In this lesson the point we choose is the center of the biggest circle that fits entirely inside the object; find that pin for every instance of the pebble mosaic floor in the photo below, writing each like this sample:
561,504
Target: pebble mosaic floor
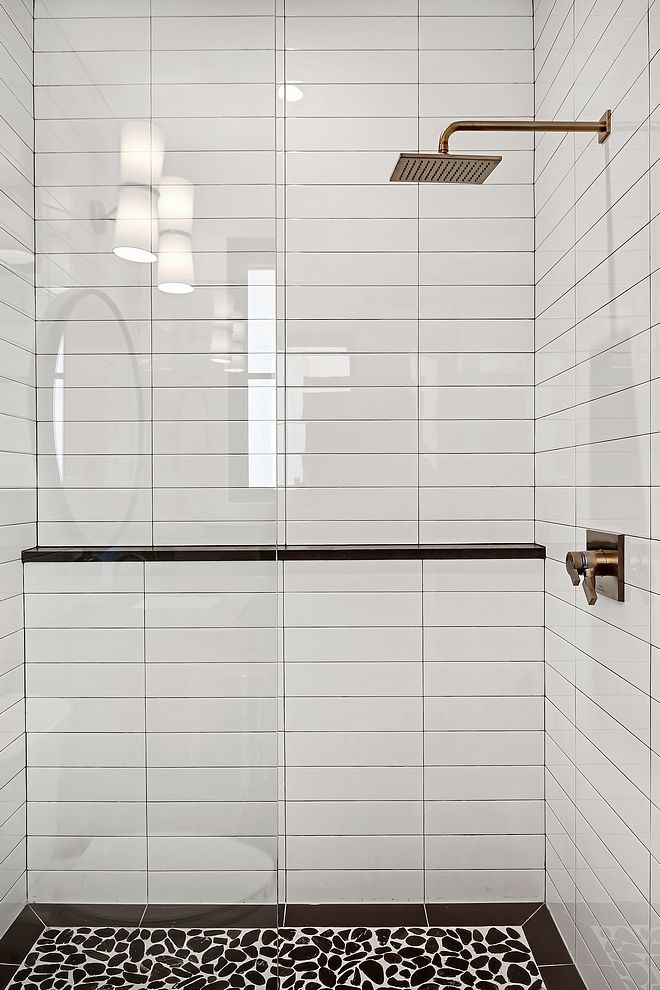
288,958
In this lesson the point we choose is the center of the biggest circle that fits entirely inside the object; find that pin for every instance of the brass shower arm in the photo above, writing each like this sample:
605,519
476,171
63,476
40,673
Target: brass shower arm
601,127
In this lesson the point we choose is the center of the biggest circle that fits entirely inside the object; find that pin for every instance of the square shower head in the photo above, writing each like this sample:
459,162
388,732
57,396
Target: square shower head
414,166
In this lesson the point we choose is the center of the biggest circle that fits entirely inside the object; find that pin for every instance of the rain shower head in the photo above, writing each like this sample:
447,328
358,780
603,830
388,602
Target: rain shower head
414,166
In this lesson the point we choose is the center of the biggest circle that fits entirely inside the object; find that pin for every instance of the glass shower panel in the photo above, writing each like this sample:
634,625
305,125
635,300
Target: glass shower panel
155,152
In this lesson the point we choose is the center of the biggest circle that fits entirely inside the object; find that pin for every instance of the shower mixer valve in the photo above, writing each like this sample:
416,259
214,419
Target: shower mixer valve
585,562
600,566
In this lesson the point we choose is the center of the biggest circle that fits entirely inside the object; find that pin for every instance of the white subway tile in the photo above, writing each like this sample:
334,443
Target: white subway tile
86,886
213,887
356,885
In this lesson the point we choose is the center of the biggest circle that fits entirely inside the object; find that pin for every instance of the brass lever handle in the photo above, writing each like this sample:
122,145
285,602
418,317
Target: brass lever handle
589,563
574,565
589,586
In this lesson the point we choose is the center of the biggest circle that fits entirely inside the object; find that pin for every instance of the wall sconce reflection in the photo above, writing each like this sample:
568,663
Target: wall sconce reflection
141,167
175,215
237,365
221,343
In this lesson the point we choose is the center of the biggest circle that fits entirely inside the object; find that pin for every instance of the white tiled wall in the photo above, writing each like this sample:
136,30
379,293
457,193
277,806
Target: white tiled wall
152,744
404,314
411,743
483,740
413,737
596,466
17,446
408,310
153,441
211,667
406,379
354,774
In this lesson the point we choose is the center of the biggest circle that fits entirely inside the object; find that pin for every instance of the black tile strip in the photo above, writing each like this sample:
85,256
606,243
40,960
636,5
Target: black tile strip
561,978
141,554
546,943
19,938
210,916
413,551
353,915
479,915
88,915
7,974
437,551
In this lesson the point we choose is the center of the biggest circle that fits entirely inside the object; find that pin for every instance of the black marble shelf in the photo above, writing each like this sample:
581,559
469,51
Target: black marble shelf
364,551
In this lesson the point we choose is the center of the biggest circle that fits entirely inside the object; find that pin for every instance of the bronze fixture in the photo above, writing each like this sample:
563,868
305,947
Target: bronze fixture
601,566
417,166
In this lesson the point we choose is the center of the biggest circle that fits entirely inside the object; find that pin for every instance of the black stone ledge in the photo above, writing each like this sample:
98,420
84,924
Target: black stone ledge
86,554
437,551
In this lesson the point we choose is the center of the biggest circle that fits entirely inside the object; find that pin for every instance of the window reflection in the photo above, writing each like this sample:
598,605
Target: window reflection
58,409
261,340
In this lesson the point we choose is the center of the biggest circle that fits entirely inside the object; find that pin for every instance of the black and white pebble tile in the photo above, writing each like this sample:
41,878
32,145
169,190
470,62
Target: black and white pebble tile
481,958
290,959
191,958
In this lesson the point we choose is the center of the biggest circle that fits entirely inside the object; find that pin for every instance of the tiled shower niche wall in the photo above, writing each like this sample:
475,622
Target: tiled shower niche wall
404,315
410,750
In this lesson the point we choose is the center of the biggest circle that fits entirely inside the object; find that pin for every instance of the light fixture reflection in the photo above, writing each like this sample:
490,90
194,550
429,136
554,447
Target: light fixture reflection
175,214
221,343
58,409
141,166
237,363
290,92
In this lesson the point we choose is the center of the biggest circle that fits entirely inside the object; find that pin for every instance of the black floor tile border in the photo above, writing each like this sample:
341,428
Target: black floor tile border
87,915
547,944
478,915
354,915
411,551
210,916
7,973
548,948
19,938
561,978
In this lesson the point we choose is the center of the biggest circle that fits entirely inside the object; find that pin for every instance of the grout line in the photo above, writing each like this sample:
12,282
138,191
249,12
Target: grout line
32,908
419,490
535,440
34,367
650,885
283,461
533,914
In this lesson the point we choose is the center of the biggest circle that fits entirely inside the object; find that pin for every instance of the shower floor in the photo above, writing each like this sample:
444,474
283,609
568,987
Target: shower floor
317,956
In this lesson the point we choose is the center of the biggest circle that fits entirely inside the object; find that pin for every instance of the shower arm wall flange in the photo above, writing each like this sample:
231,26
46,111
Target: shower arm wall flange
602,127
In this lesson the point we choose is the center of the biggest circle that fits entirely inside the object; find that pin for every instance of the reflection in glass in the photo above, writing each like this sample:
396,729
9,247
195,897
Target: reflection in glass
290,92
175,214
58,410
221,343
141,167
261,301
